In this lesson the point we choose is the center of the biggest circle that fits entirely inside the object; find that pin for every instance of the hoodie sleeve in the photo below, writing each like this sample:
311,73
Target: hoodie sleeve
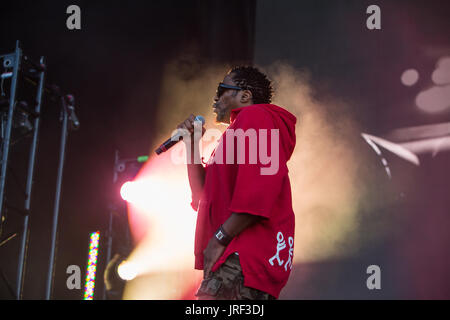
258,185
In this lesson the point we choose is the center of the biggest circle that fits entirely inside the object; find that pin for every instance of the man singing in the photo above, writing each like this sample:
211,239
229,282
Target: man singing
244,238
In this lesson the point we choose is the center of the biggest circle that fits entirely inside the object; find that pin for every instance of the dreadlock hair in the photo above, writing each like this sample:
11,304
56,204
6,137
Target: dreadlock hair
250,78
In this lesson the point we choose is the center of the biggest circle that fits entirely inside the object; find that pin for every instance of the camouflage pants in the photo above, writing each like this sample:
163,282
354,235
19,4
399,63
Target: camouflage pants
227,283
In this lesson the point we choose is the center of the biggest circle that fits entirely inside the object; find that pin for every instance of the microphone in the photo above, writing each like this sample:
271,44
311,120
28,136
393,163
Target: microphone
169,143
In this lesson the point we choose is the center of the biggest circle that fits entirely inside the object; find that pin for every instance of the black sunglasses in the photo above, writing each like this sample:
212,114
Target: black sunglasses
224,87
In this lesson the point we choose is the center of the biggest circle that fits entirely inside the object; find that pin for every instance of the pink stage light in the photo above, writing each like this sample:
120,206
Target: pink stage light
435,99
410,77
441,75
126,190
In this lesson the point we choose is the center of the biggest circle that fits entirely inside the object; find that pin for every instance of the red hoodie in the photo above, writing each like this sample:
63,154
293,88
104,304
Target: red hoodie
258,187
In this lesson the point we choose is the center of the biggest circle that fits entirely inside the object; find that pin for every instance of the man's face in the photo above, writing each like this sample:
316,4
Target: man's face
228,101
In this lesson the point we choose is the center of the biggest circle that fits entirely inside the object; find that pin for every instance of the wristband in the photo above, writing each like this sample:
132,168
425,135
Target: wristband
222,236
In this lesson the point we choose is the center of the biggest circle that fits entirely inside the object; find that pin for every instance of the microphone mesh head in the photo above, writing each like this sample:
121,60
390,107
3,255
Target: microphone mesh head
200,118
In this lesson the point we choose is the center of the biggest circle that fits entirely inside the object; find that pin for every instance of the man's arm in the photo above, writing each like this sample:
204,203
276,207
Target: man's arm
238,222
196,175
196,171
233,226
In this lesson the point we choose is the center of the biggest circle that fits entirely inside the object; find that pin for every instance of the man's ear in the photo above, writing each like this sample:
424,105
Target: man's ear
247,96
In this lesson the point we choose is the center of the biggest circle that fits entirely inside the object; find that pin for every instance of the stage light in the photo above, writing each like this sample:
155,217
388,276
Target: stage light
441,75
135,191
117,273
124,175
127,270
435,99
410,77
141,159
138,191
92,266
126,190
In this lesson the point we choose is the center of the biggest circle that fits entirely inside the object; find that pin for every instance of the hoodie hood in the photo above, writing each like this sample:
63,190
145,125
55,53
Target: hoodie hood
283,120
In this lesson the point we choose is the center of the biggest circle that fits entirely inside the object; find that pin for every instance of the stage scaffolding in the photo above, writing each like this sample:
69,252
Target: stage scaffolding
24,119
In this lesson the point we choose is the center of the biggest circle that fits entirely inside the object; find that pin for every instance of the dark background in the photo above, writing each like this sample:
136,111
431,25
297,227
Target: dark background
106,66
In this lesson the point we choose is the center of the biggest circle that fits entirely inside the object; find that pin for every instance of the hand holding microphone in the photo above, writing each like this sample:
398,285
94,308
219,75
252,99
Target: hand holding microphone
191,125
